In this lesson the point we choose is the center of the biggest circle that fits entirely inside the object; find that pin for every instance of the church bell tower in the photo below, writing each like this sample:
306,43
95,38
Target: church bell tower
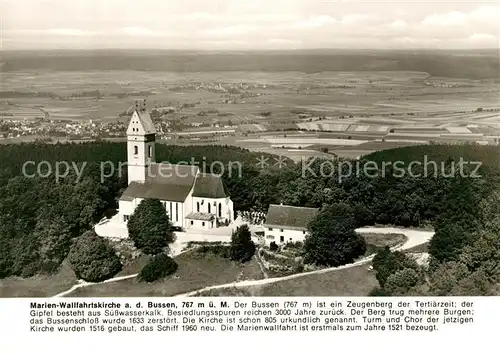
141,135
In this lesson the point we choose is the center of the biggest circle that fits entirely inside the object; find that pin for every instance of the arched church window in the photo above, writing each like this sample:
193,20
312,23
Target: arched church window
198,207
209,208
220,210
136,150
150,151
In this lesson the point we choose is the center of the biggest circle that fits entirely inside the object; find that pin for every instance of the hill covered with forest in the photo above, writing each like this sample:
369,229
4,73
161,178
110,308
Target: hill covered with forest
451,188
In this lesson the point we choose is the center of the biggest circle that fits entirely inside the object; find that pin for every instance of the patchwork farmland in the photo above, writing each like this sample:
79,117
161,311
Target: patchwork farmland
346,113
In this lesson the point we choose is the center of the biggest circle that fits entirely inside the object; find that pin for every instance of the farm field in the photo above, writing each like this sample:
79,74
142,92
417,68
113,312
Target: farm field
333,93
264,111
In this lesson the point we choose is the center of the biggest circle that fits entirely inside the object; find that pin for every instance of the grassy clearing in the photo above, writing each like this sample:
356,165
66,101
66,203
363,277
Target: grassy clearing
38,286
134,266
355,281
196,270
233,291
423,248
383,240
374,242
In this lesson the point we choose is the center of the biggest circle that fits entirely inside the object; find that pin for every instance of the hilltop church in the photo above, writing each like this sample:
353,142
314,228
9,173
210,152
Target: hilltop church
192,199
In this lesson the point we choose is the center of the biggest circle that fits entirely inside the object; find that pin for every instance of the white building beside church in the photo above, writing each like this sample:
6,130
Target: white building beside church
192,199
285,223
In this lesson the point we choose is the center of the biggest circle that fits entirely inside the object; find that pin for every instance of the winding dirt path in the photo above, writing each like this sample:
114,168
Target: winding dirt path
83,284
415,238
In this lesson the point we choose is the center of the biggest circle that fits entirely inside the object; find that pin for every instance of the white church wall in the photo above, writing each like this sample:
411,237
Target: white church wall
126,208
211,206
188,206
174,212
200,225
136,159
176,217
230,209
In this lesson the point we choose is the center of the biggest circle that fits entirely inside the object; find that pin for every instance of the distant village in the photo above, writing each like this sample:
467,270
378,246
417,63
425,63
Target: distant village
89,129
45,127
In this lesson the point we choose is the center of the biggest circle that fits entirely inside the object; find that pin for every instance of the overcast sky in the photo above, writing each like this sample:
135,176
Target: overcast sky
249,24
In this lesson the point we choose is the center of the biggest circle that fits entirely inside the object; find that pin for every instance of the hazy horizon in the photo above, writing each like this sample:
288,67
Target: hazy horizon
252,51
237,25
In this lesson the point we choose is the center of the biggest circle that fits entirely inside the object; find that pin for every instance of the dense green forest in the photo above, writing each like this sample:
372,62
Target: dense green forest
39,216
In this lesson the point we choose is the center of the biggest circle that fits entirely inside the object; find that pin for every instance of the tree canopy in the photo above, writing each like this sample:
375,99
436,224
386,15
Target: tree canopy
159,266
93,259
149,227
332,240
39,216
242,247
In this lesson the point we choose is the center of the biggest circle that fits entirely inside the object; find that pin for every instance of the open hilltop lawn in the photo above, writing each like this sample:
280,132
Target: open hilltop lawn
355,281
195,271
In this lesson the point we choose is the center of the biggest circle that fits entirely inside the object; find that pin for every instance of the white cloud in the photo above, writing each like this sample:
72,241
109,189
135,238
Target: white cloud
398,24
282,41
485,15
229,31
268,17
314,22
199,16
488,14
355,19
52,32
137,31
483,37
254,24
454,18
69,32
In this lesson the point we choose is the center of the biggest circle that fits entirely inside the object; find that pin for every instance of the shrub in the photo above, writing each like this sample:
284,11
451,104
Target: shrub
93,259
159,266
217,250
297,245
242,248
386,263
401,281
299,268
273,246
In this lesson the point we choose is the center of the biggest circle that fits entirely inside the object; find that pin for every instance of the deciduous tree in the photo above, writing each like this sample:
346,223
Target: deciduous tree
158,267
332,240
242,247
149,227
93,259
